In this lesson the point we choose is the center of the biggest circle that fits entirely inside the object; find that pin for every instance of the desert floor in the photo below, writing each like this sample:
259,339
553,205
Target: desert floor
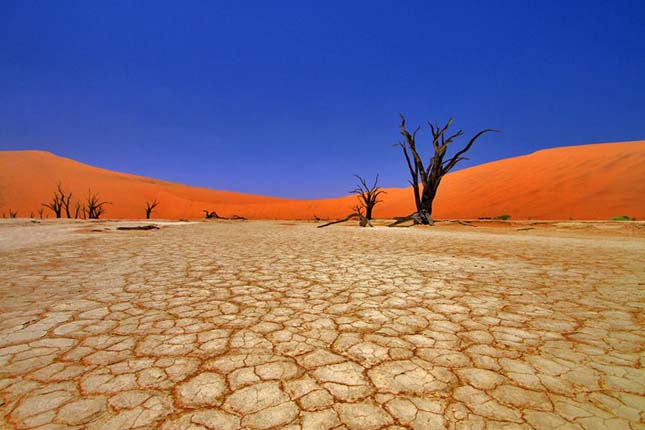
229,325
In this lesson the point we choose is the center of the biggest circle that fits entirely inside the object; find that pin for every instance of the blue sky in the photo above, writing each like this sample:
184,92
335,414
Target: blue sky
292,98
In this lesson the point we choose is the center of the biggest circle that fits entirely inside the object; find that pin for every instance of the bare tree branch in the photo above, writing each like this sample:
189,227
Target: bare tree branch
347,218
457,157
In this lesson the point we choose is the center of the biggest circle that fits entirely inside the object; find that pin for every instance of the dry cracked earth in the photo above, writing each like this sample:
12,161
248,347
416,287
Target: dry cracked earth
269,325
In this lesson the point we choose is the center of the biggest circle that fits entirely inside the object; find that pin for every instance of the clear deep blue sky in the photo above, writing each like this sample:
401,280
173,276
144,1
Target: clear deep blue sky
292,98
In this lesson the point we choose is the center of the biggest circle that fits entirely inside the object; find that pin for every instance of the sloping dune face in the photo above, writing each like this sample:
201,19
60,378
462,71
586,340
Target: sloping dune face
580,182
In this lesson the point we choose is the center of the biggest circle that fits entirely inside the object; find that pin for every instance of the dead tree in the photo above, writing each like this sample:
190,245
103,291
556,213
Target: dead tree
13,214
95,207
363,220
211,215
347,218
427,177
150,206
78,210
367,195
358,213
60,201
56,205
40,212
65,200
367,198
139,227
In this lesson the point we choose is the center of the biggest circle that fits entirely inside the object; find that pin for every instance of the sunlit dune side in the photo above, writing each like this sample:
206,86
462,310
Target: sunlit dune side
581,182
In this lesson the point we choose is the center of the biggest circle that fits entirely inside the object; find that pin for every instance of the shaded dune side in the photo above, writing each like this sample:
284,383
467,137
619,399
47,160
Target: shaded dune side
580,182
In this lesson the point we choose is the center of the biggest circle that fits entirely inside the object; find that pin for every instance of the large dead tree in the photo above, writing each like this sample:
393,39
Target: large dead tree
94,206
150,207
367,195
427,177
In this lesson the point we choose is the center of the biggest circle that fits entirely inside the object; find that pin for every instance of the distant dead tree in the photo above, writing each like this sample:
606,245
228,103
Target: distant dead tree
367,195
429,176
13,214
214,215
78,210
95,207
150,207
60,201
40,212
211,215
65,200
56,205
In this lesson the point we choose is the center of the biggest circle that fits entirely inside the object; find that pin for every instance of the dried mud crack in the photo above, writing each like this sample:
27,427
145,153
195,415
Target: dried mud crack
260,325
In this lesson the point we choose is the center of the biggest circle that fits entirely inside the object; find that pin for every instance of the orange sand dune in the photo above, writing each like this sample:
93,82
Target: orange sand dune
580,182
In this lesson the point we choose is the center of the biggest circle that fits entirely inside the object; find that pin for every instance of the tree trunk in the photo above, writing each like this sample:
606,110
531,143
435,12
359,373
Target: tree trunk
417,199
427,198
368,212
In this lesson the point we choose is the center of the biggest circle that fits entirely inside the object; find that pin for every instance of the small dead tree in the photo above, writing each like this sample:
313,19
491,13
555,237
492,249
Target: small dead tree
367,198
214,215
427,177
150,207
60,201
65,200
56,205
95,207
13,214
211,215
363,221
367,195
78,210
40,212
358,213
